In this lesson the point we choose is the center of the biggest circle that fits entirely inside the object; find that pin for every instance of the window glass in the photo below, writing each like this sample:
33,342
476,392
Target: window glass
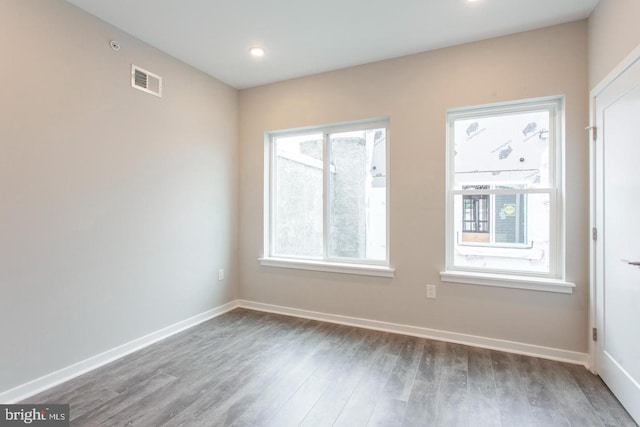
357,194
518,238
511,148
297,226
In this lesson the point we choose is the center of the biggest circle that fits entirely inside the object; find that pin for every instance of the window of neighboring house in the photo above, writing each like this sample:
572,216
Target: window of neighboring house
475,219
504,198
327,197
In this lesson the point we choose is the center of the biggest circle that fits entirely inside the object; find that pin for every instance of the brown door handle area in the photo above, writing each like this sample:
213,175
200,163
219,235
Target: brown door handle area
634,263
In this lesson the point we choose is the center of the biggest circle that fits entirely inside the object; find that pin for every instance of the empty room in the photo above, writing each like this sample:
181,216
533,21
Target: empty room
297,213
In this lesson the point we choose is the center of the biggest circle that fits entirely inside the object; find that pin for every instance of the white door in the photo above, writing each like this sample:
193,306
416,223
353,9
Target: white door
617,218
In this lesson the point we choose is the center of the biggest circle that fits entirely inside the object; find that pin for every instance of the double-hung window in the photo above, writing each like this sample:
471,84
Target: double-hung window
326,198
504,195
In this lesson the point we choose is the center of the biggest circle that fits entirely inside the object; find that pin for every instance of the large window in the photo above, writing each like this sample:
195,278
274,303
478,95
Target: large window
504,191
327,194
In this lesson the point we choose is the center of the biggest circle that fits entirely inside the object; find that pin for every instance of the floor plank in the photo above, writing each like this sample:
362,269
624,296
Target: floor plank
481,390
511,391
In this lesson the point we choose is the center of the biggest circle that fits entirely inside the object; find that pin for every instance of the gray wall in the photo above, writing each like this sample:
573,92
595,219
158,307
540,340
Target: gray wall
415,92
613,33
116,207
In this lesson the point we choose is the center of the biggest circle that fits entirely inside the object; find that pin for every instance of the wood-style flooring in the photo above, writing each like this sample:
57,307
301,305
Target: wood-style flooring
247,368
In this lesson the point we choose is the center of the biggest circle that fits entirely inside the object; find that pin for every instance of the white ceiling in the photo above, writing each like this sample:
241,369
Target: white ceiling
303,37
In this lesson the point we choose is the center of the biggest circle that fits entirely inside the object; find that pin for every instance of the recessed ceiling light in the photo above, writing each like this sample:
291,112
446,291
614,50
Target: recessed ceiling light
256,51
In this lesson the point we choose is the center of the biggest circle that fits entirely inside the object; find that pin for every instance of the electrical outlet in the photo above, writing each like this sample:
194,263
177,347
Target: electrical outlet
431,291
221,274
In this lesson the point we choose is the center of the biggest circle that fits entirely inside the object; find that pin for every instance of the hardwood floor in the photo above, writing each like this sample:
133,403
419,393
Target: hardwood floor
247,368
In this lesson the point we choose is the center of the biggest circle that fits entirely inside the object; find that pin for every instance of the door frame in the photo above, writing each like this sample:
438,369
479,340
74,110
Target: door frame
594,220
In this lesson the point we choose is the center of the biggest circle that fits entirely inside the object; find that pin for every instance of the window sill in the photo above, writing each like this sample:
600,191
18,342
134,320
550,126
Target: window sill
507,281
331,267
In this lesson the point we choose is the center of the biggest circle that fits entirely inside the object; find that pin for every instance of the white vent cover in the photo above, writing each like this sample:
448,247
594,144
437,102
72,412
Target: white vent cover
146,81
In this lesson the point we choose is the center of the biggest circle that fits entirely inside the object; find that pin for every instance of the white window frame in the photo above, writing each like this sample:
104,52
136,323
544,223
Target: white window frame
554,280
379,268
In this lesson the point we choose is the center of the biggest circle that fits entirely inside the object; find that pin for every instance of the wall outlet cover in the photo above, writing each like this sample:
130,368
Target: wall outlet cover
431,291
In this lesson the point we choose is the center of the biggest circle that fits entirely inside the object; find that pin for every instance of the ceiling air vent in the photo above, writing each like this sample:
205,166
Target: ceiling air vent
146,81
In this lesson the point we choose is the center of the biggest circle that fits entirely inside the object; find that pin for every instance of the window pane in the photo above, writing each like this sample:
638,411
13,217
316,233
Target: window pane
358,195
509,149
517,237
298,218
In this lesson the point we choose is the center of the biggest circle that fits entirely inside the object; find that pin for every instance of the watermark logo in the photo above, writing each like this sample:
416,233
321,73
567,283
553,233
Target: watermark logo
34,415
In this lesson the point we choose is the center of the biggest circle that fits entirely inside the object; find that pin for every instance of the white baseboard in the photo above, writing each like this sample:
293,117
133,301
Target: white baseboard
43,383
453,337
